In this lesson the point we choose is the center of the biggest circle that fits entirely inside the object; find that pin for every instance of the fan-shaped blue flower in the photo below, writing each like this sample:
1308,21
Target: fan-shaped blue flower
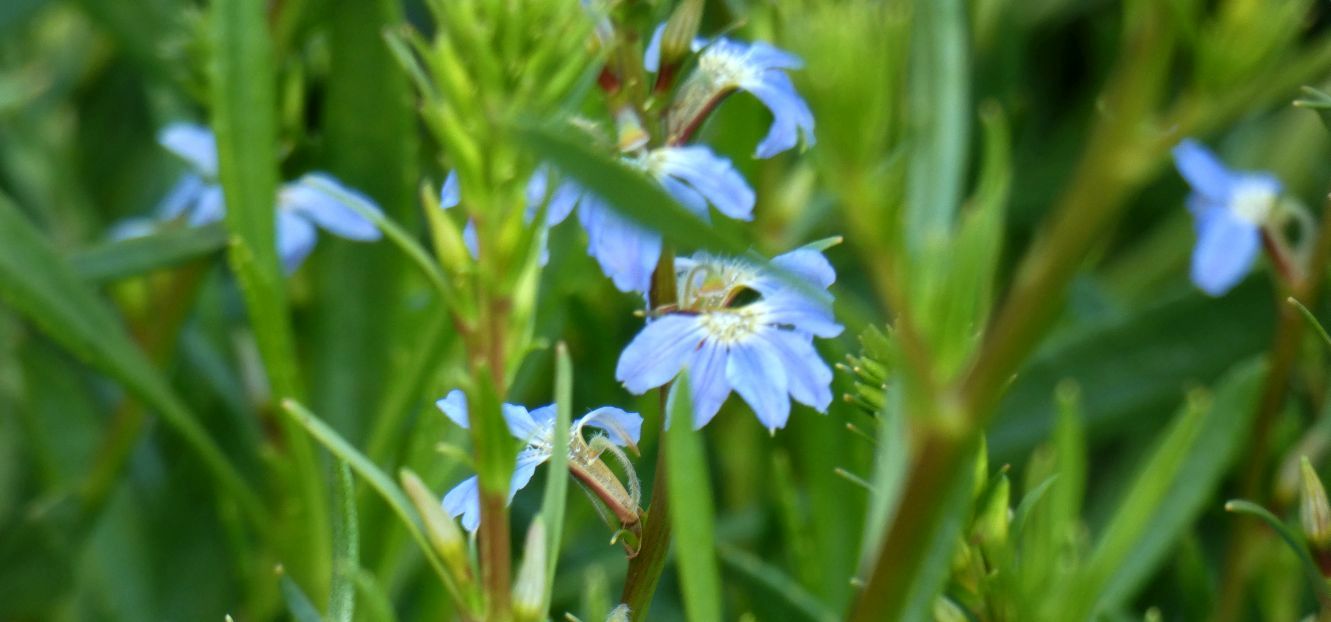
536,429
1230,209
762,350
316,199
627,252
725,65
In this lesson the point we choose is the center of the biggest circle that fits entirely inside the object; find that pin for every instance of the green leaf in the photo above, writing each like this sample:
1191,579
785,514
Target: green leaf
692,522
629,192
556,484
939,109
1171,489
891,461
244,101
1296,544
35,282
346,548
298,604
777,583
1317,101
381,483
117,260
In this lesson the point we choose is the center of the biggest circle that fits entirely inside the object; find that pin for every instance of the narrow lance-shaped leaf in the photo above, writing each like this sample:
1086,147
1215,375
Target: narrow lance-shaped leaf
135,256
693,522
556,485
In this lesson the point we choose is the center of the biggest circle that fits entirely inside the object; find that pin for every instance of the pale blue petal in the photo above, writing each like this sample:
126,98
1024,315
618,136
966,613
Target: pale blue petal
790,115
1226,248
469,239
184,194
1203,171
544,416
767,56
808,264
707,376
810,379
562,201
454,406
626,252
528,460
192,143
210,207
623,428
656,354
133,228
687,196
450,195
651,59
793,309
331,211
465,500
714,177
520,423
295,239
756,372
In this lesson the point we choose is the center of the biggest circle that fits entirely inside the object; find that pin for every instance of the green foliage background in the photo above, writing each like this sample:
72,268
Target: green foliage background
148,472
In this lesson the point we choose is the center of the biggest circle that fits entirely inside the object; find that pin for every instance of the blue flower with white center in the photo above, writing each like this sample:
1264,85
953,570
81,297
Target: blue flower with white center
536,429
1230,209
316,199
762,350
627,252
725,66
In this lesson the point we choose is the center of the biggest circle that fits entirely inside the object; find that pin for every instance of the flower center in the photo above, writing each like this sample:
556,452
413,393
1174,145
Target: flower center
1252,203
728,326
724,67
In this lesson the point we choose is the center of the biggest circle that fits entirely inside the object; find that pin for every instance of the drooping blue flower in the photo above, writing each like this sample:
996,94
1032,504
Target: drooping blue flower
1230,208
762,350
627,252
536,429
316,199
759,68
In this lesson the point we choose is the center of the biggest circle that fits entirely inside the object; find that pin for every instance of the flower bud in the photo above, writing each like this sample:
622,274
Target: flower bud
529,588
448,241
680,31
443,532
1314,512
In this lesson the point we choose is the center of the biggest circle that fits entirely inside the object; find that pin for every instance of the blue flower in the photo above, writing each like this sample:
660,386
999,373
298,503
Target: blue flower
536,429
1230,208
627,252
450,196
759,69
317,199
762,350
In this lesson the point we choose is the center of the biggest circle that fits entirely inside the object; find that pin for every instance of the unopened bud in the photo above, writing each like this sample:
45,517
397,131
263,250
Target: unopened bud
444,534
1314,512
680,31
629,128
947,611
529,588
991,524
619,614
448,241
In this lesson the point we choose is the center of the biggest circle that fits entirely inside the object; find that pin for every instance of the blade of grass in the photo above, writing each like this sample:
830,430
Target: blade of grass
778,583
1309,567
692,522
35,282
346,548
556,485
298,604
117,260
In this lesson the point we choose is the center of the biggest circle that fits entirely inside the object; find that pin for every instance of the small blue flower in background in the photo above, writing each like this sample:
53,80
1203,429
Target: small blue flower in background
757,68
316,199
628,253
762,350
535,428
1230,208
450,196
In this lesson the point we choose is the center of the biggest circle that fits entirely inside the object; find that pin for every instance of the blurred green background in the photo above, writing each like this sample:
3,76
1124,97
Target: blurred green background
106,514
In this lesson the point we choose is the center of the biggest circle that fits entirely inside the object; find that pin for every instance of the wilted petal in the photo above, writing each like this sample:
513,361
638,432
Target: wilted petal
656,354
757,374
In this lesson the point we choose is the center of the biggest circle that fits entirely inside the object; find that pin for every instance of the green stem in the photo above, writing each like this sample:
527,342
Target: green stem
645,569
